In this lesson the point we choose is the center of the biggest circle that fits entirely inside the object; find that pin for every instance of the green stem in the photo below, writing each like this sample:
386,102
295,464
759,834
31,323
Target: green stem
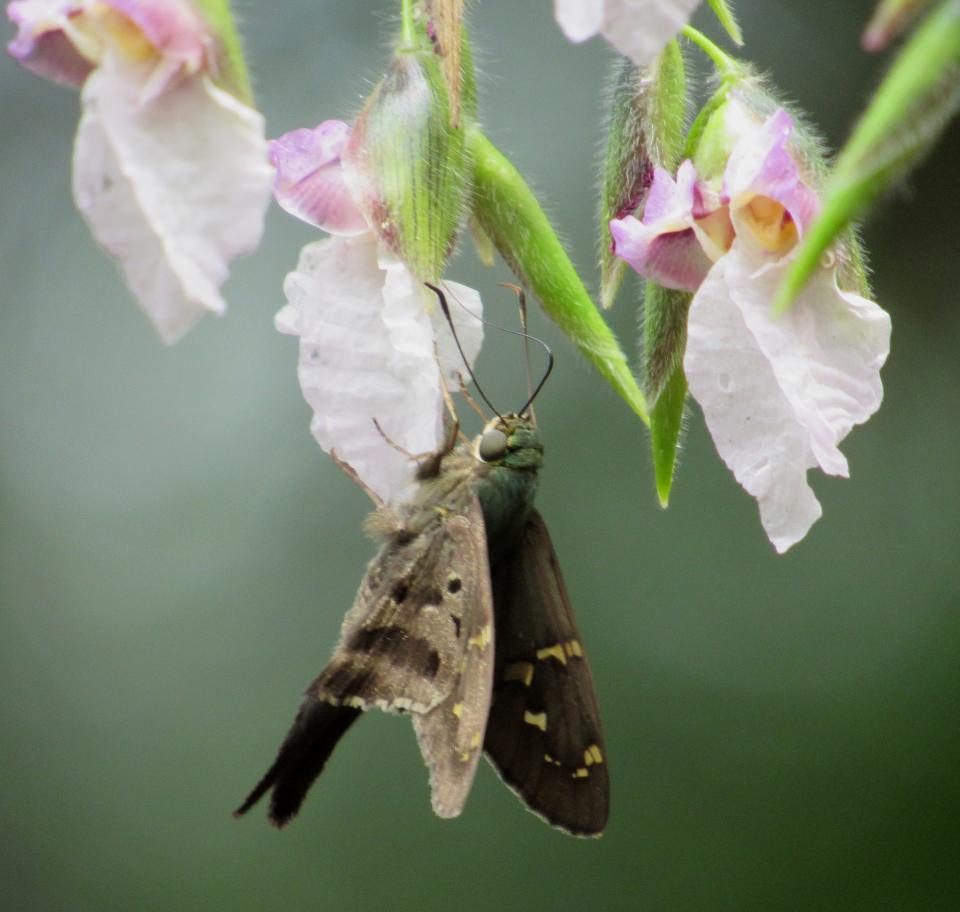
510,215
724,63
407,26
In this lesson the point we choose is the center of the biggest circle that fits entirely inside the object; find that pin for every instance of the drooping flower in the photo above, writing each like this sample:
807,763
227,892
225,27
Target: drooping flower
170,167
778,394
637,28
374,348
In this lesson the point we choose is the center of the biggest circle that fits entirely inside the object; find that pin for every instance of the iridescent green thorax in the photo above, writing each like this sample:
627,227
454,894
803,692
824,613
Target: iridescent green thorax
506,484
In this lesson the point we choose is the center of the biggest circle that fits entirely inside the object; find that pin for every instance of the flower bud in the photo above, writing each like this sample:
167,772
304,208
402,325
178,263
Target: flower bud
406,163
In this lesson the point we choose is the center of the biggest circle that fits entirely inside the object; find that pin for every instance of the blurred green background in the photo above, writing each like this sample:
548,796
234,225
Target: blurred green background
176,555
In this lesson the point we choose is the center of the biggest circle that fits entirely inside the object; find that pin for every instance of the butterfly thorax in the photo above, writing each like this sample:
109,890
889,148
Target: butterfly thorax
505,479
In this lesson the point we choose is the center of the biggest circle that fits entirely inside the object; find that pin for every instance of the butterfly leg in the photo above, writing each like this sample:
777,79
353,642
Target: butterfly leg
356,479
470,400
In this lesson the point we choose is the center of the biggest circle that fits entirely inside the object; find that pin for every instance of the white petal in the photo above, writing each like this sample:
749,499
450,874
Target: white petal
174,188
637,28
779,393
366,351
579,19
466,312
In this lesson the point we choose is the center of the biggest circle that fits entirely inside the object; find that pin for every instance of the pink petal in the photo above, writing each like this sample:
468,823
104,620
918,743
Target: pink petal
762,164
173,27
42,43
309,181
673,259
665,246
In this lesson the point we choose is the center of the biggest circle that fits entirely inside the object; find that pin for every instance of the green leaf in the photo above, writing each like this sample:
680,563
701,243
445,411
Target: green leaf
664,341
512,218
666,422
233,75
909,111
647,112
724,12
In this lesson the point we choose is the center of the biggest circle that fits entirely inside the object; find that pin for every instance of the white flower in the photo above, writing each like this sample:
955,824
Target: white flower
169,170
638,29
778,393
373,341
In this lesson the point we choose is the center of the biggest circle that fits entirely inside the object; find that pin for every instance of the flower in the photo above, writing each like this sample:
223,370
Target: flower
778,393
170,170
371,338
637,28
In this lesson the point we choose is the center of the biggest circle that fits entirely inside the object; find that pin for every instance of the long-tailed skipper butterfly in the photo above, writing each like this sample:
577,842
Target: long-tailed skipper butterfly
463,621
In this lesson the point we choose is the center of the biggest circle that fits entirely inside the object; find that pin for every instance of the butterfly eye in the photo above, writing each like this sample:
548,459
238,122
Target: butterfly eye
493,445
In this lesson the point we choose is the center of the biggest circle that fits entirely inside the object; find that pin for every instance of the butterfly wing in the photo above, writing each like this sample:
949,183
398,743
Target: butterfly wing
418,639
543,735
451,734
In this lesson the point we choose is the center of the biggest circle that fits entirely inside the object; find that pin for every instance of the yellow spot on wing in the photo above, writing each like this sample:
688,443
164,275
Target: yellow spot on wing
458,709
593,751
573,648
555,651
537,719
580,773
519,671
481,639
475,740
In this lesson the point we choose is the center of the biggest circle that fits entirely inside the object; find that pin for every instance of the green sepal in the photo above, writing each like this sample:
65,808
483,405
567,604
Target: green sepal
441,23
510,215
408,164
648,108
909,111
666,423
664,342
724,13
231,74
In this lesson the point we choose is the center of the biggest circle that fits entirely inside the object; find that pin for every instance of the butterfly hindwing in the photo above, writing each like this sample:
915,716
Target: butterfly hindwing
544,735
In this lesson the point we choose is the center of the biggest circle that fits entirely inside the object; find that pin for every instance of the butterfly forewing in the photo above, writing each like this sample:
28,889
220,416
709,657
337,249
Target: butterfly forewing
403,642
451,734
544,735
418,639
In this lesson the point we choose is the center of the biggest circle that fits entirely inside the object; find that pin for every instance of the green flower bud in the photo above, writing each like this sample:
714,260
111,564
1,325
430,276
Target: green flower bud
406,162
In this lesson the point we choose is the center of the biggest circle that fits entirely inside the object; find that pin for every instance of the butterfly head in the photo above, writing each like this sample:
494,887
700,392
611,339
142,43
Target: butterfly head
512,441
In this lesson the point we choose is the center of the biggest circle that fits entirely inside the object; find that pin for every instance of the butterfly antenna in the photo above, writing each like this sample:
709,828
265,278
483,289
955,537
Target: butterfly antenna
522,304
441,297
527,339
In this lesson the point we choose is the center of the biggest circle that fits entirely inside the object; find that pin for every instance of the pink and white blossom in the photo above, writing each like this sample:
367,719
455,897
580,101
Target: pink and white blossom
778,393
374,347
639,29
170,171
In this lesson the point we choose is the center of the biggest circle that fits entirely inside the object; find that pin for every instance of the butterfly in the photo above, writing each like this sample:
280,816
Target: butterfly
463,622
